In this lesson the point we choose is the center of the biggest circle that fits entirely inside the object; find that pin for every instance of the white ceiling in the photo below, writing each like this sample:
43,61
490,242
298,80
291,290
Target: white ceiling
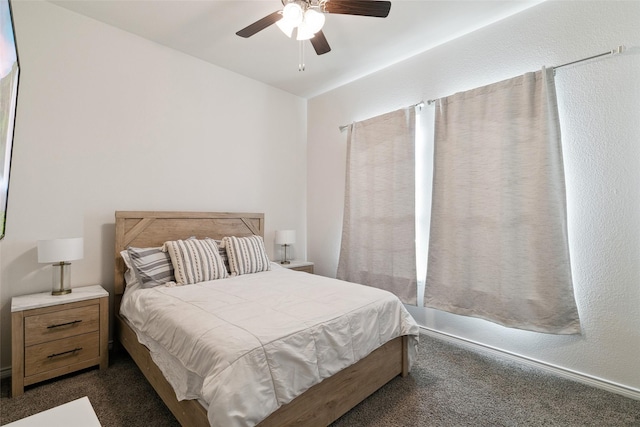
360,45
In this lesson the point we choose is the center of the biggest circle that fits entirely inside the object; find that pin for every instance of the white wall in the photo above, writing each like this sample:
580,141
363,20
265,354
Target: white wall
599,106
109,121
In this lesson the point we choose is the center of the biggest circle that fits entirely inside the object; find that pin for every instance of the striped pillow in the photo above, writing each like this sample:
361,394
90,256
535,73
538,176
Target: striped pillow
246,254
130,278
151,266
195,260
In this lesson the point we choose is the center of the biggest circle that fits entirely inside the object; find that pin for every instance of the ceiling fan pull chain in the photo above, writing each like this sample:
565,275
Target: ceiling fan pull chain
301,65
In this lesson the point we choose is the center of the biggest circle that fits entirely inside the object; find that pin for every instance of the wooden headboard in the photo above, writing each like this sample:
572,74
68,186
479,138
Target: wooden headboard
144,229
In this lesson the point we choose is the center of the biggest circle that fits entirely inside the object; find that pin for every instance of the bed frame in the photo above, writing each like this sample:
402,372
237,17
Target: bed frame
321,404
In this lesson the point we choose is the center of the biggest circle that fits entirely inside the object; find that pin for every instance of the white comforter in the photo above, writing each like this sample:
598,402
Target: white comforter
249,344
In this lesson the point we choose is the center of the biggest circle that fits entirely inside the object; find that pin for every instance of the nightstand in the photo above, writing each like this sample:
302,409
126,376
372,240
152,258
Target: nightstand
305,266
55,335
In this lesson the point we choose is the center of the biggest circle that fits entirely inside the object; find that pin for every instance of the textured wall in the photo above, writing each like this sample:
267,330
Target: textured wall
599,105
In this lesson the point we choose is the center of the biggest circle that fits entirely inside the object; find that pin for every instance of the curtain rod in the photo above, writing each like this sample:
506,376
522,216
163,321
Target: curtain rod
418,105
619,49
615,51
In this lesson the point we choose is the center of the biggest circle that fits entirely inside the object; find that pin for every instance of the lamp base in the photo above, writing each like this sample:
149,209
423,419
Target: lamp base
284,261
61,279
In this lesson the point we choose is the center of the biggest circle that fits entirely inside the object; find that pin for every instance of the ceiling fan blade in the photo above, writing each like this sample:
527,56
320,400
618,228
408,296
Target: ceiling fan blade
375,8
260,24
320,44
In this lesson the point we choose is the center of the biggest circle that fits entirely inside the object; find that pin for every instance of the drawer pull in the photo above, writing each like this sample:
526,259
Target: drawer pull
51,356
64,324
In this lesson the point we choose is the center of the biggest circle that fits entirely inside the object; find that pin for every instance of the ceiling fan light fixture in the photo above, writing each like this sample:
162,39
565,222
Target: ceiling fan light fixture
314,20
292,14
286,28
304,33
307,17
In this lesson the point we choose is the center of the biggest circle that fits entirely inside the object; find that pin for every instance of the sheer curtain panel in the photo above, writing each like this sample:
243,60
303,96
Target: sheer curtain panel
498,245
378,233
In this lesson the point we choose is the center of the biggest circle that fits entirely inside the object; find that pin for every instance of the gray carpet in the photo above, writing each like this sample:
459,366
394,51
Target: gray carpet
448,386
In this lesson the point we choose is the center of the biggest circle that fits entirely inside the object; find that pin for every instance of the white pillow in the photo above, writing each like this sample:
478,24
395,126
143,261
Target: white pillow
195,260
246,255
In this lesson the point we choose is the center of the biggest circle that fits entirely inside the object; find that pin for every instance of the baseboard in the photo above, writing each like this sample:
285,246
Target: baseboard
557,370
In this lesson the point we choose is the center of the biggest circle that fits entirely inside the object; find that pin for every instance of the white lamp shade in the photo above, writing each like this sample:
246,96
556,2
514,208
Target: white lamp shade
286,28
59,250
303,32
292,14
314,20
285,237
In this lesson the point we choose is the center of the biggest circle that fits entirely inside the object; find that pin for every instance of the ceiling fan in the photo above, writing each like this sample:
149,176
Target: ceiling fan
307,18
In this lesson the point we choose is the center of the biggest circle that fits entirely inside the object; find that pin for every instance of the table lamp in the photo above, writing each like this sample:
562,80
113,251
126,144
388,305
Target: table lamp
285,238
60,252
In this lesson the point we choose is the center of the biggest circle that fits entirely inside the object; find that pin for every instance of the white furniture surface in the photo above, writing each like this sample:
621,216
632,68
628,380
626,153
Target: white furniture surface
77,413
45,299
298,265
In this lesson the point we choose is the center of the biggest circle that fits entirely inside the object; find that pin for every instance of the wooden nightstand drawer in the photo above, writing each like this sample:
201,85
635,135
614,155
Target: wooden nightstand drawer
57,354
61,324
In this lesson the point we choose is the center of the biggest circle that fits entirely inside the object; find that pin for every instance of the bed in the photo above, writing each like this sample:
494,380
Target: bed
319,404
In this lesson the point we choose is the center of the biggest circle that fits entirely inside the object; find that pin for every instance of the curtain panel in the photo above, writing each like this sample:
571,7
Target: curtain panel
498,245
378,233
